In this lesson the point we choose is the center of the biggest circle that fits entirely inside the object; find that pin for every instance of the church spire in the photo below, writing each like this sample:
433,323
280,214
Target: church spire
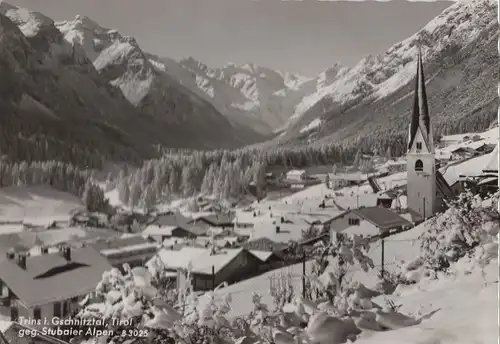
420,116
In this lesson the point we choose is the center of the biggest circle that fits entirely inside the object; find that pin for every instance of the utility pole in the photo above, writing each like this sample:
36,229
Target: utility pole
213,277
423,200
303,275
383,256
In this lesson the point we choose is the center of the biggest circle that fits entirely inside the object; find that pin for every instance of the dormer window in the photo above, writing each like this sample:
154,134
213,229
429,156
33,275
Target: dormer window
419,165
419,145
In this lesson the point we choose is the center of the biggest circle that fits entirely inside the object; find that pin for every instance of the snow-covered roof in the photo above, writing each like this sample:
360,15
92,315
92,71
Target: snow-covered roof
296,172
487,180
130,248
493,164
201,259
157,230
262,255
470,167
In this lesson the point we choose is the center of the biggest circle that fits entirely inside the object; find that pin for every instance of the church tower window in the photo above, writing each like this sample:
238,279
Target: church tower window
419,145
419,165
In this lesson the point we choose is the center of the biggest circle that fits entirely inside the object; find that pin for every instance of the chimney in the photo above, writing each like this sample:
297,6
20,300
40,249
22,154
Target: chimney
67,253
11,254
277,229
21,260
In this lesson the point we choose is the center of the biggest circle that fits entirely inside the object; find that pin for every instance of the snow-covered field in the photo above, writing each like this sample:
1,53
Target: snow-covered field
466,312
37,205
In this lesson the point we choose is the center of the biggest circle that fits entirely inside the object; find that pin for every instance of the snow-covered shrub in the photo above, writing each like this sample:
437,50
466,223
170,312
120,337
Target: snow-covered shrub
333,264
140,296
467,224
393,279
281,289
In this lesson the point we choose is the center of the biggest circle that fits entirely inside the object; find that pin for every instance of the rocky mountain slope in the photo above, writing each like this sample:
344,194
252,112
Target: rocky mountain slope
120,60
254,99
375,96
249,95
108,99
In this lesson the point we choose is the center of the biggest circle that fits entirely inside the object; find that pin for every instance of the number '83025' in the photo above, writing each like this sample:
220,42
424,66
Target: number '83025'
135,333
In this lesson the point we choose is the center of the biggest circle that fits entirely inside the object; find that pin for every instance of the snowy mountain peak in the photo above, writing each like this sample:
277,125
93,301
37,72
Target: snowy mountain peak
377,76
29,22
87,23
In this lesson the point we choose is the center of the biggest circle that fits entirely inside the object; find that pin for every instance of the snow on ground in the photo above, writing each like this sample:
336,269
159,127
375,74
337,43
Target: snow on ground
242,292
393,69
452,142
466,312
201,260
297,216
490,136
472,167
313,125
349,197
36,205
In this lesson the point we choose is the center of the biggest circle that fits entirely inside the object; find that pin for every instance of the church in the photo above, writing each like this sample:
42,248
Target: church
427,189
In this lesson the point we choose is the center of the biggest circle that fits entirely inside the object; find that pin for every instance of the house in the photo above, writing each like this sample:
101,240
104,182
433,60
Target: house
296,175
50,285
368,222
211,267
134,250
463,153
238,224
386,198
487,186
308,244
266,245
268,260
485,148
341,180
213,220
159,233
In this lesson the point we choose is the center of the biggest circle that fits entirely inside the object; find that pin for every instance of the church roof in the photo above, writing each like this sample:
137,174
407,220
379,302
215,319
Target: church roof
420,116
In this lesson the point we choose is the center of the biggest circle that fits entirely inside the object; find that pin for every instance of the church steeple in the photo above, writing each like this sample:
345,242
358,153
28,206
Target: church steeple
420,116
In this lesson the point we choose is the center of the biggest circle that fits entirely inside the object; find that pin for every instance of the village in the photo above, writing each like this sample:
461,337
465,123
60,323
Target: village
52,263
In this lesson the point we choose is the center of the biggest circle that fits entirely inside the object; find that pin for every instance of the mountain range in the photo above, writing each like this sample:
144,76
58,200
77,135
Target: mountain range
375,96
76,72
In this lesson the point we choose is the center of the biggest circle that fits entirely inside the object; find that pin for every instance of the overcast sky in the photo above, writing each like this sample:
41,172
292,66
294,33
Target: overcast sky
296,36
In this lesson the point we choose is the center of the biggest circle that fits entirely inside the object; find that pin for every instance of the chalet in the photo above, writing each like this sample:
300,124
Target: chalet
386,198
159,233
213,220
268,260
171,219
134,250
308,244
369,221
208,267
296,175
50,285
341,180
266,245
463,153
485,148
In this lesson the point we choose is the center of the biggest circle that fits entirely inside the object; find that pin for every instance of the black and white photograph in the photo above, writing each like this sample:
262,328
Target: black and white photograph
249,172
